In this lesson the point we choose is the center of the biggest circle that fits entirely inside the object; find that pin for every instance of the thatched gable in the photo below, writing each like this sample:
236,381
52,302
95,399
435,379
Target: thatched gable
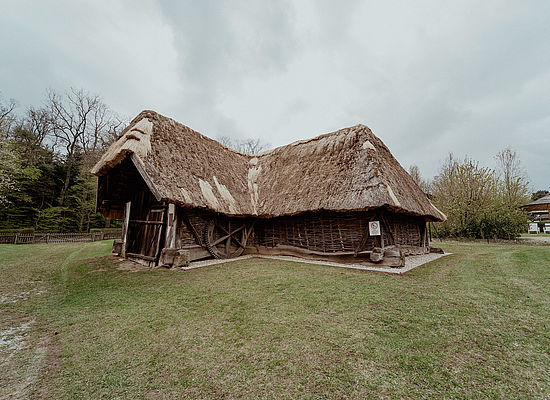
347,170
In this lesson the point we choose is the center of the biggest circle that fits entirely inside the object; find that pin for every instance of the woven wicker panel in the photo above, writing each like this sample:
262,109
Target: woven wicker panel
198,220
334,232
407,230
327,232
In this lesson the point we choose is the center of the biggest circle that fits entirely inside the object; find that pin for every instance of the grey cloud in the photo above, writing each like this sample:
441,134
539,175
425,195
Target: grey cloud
428,77
220,43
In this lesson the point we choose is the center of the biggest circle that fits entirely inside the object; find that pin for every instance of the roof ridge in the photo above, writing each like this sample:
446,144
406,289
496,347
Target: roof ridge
145,113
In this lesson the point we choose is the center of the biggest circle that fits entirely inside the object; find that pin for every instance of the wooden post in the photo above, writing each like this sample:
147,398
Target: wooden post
382,223
171,224
15,238
424,230
127,207
363,240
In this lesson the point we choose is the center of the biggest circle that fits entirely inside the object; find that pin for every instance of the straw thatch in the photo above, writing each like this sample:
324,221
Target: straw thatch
347,170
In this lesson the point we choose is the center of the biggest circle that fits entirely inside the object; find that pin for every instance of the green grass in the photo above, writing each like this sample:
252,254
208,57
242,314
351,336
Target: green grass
475,324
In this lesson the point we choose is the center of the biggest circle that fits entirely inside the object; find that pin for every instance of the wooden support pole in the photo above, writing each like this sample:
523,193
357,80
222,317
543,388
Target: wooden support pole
171,224
384,223
363,240
127,207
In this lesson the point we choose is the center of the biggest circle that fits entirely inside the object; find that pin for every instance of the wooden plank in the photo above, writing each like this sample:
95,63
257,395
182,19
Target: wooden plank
171,224
138,259
160,231
363,240
125,225
197,252
388,228
343,257
142,256
140,221
292,250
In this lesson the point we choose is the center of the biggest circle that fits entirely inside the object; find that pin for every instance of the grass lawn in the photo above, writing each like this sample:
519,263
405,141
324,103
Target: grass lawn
475,324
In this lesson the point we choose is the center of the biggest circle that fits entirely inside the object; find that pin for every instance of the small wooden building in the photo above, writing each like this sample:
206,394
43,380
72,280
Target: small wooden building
539,209
339,195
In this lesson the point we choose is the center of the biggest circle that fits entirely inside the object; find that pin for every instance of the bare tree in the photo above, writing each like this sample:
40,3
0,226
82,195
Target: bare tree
425,185
514,178
226,141
7,116
248,146
80,121
252,146
39,122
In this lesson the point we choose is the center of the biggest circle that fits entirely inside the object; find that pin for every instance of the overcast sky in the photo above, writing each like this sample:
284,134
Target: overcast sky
428,77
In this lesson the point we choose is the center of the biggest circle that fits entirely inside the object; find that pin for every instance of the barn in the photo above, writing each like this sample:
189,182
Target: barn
184,197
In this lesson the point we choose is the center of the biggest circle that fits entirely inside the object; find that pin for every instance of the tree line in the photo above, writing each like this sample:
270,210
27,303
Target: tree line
480,202
46,154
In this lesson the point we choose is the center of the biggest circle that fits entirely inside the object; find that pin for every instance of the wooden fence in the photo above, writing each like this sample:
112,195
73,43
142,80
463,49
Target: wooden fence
29,238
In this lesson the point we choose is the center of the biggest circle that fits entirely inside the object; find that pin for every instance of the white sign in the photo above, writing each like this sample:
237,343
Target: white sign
374,228
534,227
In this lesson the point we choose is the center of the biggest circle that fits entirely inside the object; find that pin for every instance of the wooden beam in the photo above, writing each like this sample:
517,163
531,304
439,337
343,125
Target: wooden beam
387,225
342,257
127,207
143,257
171,223
140,221
364,237
293,250
163,218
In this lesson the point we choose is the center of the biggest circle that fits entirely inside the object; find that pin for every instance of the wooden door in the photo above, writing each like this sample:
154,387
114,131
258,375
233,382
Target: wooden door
145,235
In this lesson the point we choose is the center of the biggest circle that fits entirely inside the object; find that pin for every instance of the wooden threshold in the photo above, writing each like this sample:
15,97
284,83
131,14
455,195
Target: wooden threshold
143,257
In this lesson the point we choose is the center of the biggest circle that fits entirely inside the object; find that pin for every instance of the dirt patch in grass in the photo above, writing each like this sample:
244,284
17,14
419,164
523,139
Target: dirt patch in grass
29,273
50,368
23,353
126,265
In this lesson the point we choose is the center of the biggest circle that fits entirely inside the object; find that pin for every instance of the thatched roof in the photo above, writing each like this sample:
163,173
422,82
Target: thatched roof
347,170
